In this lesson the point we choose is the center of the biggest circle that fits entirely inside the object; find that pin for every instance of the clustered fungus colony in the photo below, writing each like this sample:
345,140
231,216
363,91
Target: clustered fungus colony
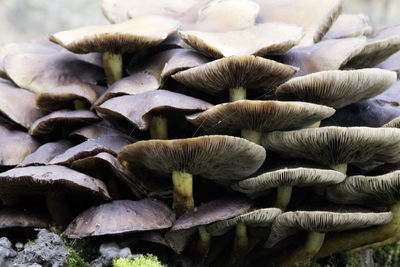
275,119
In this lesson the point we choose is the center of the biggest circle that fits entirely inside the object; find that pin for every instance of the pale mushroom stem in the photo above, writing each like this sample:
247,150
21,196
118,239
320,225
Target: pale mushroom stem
112,64
316,125
252,136
305,253
349,240
283,195
183,192
236,94
59,208
240,244
340,167
159,127
79,104
203,245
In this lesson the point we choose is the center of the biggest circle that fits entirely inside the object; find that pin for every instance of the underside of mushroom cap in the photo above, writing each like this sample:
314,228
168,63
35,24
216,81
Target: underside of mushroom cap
15,218
337,88
249,72
262,116
395,123
392,63
259,40
215,157
337,145
289,223
349,25
127,216
129,36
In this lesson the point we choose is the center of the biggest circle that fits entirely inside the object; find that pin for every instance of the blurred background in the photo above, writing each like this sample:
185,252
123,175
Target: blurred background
22,20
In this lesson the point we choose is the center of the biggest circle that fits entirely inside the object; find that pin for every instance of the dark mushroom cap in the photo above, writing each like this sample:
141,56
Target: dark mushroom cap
109,144
337,145
255,218
349,25
324,55
59,122
303,13
288,177
129,36
13,218
289,223
236,71
121,216
359,189
139,109
41,72
215,157
337,88
45,153
98,130
262,116
41,179
22,112
259,40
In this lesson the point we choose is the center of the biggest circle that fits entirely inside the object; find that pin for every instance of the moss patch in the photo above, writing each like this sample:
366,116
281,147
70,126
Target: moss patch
148,260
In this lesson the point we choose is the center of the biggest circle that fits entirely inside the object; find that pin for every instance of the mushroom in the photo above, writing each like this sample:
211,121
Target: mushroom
392,63
349,25
219,158
98,130
21,218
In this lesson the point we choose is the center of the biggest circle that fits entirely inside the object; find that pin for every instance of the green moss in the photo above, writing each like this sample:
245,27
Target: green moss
388,255
351,259
75,260
81,252
312,264
149,261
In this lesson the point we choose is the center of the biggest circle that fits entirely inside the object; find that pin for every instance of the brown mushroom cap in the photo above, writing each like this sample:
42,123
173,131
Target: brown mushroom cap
303,13
22,112
126,216
349,25
45,153
39,73
359,189
13,218
98,130
139,109
289,223
337,88
299,177
212,157
324,55
249,72
259,40
262,116
129,36
337,145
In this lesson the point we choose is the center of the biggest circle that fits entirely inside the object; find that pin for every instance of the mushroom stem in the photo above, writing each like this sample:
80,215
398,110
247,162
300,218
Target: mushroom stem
240,244
79,104
236,94
59,209
203,245
252,136
316,125
305,253
365,238
183,192
159,127
340,167
112,67
283,196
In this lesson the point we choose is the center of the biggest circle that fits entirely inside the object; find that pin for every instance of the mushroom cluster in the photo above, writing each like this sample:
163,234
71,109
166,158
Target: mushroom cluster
224,130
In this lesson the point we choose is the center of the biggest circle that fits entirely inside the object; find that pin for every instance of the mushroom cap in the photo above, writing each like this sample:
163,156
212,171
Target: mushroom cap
259,40
12,218
324,55
109,144
41,72
127,216
262,116
216,210
303,13
45,153
337,88
214,157
59,122
98,130
289,223
377,49
129,36
349,25
337,145
236,71
392,63
139,109
22,112
41,179
288,177
395,123
359,189
15,145
255,218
